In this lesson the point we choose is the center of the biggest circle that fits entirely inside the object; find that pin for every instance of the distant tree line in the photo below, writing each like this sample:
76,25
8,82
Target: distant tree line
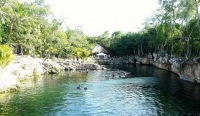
174,29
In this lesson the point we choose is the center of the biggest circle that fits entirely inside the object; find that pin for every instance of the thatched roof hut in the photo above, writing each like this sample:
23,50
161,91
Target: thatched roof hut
99,49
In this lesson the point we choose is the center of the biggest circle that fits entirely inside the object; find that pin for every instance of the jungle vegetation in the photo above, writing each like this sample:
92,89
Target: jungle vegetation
31,29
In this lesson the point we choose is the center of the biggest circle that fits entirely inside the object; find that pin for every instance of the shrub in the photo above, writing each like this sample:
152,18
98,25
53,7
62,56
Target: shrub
6,56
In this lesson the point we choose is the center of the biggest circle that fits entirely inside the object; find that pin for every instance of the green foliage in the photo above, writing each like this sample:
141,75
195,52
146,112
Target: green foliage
172,29
6,56
178,48
81,53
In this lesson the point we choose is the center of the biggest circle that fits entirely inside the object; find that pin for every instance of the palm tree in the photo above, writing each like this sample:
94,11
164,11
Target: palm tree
6,56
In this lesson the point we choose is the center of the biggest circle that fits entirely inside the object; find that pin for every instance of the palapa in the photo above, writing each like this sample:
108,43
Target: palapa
99,49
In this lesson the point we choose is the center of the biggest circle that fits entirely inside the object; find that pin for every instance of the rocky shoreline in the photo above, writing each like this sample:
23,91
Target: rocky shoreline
26,67
187,69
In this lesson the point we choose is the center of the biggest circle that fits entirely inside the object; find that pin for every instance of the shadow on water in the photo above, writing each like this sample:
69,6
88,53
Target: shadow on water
147,91
178,97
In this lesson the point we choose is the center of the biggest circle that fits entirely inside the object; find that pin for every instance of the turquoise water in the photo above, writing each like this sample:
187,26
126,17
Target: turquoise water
148,91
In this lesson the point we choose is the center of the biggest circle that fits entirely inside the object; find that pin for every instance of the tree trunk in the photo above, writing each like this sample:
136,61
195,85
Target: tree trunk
138,50
188,42
197,13
18,49
141,49
173,13
174,18
21,48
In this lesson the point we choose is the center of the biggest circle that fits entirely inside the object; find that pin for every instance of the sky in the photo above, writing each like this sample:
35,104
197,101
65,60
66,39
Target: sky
97,16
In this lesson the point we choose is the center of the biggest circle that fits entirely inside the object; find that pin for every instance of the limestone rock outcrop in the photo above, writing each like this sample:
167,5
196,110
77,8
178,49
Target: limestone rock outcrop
186,69
25,67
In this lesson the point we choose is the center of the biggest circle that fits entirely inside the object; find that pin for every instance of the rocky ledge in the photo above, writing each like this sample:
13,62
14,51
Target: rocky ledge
186,69
26,67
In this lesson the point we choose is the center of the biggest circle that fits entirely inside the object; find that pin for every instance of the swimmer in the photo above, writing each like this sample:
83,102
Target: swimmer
78,87
113,75
85,88
86,70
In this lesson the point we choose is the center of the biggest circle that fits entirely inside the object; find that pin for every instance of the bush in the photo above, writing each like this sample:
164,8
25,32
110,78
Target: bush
6,56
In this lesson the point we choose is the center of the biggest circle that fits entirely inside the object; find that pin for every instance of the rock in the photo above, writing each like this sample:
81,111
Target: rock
187,70
92,66
23,68
197,59
13,89
72,68
190,71
142,60
51,67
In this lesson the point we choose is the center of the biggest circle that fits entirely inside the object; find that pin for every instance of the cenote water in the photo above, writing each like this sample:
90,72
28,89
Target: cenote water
148,91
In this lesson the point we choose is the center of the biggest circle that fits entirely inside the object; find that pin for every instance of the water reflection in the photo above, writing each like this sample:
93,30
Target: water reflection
148,91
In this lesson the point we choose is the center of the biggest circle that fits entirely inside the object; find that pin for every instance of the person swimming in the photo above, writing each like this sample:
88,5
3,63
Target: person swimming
85,88
78,87
124,73
86,70
113,75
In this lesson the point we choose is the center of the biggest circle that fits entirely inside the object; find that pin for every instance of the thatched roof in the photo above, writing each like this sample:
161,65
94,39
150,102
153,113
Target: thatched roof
99,49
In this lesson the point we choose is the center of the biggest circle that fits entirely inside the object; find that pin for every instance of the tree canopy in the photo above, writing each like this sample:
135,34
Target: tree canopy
27,28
